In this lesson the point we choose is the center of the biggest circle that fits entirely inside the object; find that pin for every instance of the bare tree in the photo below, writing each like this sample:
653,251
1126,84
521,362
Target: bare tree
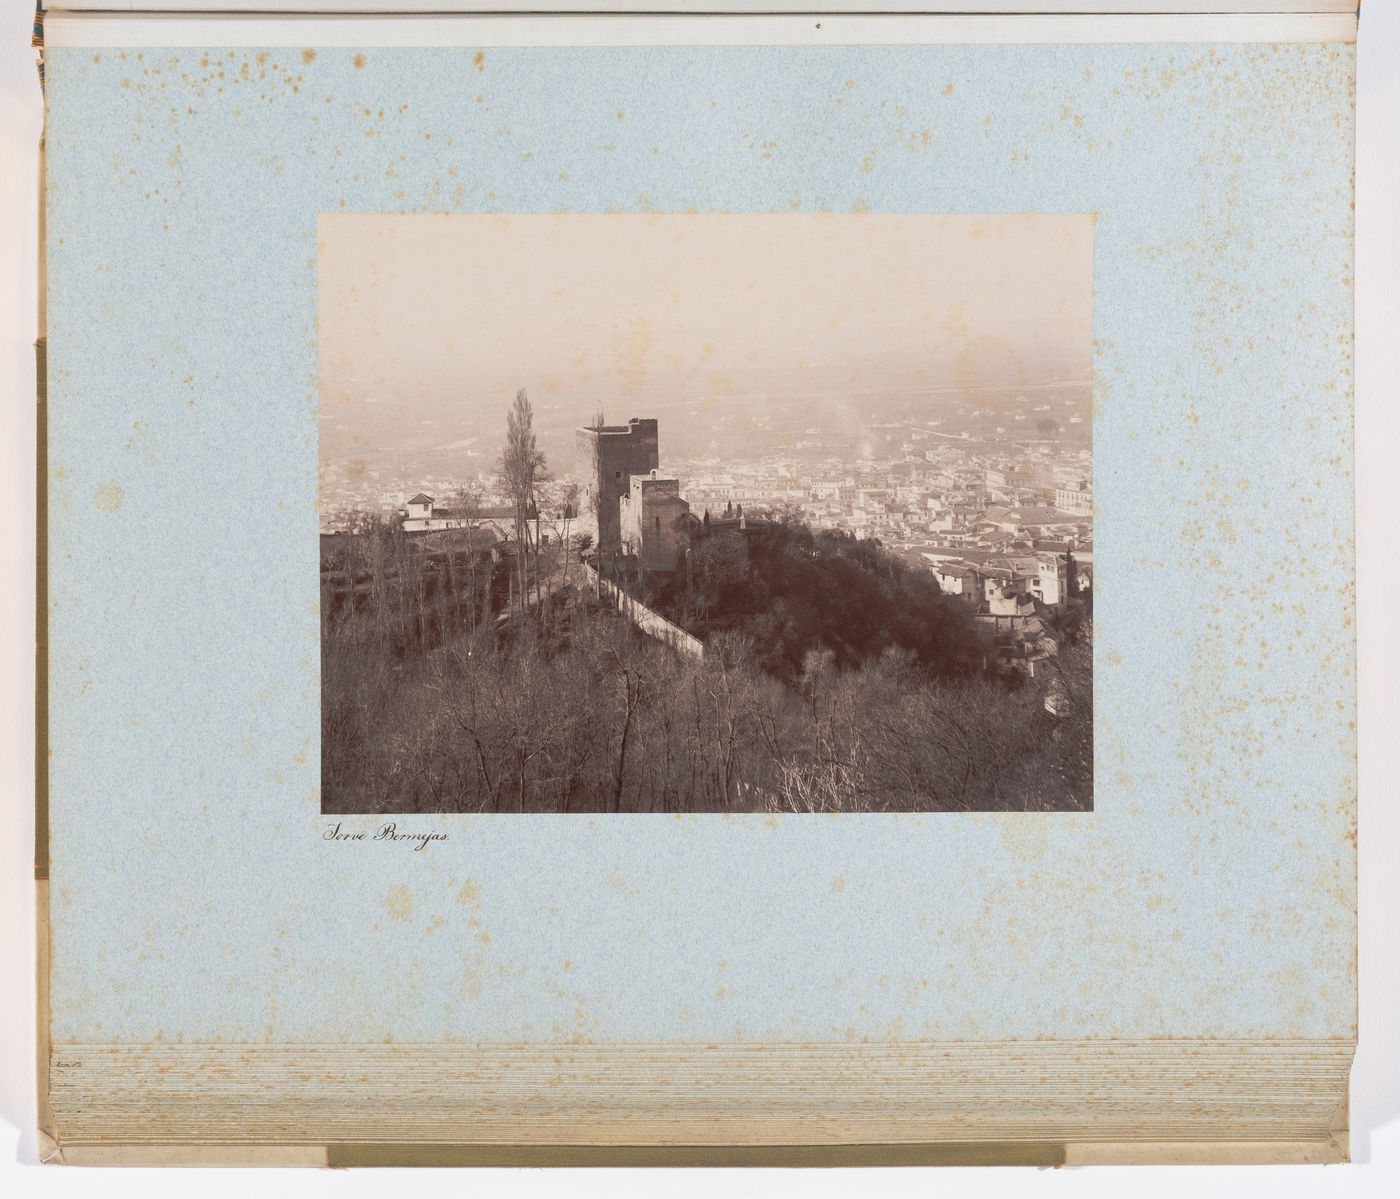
522,470
595,487
568,509
469,501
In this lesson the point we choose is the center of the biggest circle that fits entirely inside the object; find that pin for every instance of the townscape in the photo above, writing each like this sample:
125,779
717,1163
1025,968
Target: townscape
771,513
911,622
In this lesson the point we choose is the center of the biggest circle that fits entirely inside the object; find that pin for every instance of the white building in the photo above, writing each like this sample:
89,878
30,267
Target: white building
1052,579
419,508
1078,499
421,515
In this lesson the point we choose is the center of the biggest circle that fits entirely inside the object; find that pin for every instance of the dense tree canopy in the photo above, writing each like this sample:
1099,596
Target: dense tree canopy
791,590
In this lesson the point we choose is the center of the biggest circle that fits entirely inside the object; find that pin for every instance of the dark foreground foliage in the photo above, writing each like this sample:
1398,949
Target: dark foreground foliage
573,711
791,590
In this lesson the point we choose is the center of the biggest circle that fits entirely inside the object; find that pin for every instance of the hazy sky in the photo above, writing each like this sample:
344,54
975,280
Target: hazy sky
439,320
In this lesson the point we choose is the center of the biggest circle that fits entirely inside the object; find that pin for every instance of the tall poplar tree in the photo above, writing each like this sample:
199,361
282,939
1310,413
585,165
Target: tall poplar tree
522,468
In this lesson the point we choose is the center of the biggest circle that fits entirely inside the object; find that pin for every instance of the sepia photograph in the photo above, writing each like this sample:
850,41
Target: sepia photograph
755,513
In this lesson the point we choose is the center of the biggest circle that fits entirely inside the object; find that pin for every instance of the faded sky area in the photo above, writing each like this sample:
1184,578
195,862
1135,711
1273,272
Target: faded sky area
430,324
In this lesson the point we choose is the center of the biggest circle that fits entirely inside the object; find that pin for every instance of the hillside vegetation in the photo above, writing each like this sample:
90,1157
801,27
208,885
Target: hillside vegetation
791,590
835,679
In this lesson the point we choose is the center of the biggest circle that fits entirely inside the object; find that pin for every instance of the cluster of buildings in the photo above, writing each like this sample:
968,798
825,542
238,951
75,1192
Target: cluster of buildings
988,521
1006,527
489,519
907,501
959,508
992,528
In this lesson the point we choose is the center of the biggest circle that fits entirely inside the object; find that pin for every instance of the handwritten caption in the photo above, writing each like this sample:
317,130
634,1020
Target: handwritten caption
385,832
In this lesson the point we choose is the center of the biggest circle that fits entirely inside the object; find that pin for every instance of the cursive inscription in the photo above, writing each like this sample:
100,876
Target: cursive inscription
385,832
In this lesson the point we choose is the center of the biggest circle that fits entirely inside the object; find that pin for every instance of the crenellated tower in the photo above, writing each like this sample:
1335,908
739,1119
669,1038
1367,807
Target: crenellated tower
618,452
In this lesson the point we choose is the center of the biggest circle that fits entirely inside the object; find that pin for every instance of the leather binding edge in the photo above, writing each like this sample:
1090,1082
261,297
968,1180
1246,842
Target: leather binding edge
46,1132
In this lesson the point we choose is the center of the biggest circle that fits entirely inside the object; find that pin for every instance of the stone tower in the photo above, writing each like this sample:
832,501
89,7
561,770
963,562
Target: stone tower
618,452
653,522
